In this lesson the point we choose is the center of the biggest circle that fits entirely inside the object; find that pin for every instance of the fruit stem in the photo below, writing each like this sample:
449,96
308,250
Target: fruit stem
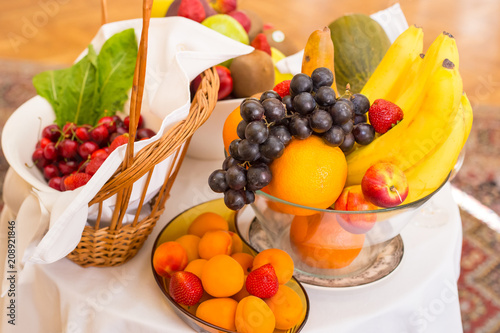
394,189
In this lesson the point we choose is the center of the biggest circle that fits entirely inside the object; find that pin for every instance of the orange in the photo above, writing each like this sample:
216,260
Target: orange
218,311
321,242
229,129
309,173
206,222
222,276
279,259
286,306
253,315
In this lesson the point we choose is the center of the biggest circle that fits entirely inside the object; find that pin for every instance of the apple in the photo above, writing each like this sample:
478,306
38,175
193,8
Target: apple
385,185
196,10
243,18
223,6
352,199
226,82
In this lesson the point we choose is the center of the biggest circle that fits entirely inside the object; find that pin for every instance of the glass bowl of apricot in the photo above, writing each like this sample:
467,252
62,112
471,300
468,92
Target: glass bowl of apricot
215,282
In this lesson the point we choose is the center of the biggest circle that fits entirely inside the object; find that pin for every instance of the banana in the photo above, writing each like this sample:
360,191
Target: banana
394,64
428,174
403,82
407,145
319,53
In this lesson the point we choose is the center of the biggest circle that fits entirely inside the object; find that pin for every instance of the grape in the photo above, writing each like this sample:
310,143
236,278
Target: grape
320,121
282,133
304,103
283,122
348,143
234,200
360,118
236,177
301,83
217,181
229,162
299,128
287,100
272,148
322,76
274,109
251,109
233,149
364,133
258,176
347,127
240,129
325,96
249,196
341,112
269,94
334,136
248,151
256,132
361,104
263,160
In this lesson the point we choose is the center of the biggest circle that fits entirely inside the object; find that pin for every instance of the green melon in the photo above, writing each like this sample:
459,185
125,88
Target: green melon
360,43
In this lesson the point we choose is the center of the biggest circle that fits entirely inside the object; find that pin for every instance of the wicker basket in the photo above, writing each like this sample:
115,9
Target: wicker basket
115,244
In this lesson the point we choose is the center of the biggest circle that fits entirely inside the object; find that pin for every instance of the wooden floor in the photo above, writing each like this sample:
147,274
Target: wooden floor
56,31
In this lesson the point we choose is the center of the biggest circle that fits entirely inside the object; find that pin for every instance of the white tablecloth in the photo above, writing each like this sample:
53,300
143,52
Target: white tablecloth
419,296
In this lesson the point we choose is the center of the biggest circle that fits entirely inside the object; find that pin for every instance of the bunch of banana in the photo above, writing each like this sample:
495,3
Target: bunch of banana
428,89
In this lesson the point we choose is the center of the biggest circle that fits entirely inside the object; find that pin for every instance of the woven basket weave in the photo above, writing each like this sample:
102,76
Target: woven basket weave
117,243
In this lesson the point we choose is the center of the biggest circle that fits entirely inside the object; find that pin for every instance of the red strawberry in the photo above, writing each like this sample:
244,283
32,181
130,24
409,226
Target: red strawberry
76,180
283,88
262,282
192,9
95,163
185,288
260,43
118,141
384,115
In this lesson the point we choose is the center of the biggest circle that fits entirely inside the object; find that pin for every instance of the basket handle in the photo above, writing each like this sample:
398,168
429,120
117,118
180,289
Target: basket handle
104,12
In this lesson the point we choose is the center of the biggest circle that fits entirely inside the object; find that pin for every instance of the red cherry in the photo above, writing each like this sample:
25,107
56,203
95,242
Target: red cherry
69,129
82,166
145,133
39,158
121,130
67,148
50,171
50,151
118,121
100,134
44,142
67,167
109,123
87,148
126,122
99,152
82,133
226,82
55,183
51,132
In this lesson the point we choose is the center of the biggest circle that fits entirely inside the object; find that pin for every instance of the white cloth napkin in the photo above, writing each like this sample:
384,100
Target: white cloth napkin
178,50
391,19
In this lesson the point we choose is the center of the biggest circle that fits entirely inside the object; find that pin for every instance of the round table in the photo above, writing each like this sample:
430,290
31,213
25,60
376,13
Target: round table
419,296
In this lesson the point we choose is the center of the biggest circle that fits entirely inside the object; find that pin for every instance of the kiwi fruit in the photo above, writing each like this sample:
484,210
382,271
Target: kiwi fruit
257,25
277,38
252,73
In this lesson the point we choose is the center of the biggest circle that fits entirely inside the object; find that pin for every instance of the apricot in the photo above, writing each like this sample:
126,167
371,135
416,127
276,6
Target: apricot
237,242
242,293
253,315
169,257
218,311
286,306
196,267
222,276
206,222
213,243
190,244
245,260
279,259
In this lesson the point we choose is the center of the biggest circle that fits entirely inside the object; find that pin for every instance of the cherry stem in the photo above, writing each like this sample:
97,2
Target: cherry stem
394,189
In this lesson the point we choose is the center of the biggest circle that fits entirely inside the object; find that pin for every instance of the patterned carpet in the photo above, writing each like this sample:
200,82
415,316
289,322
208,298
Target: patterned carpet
479,284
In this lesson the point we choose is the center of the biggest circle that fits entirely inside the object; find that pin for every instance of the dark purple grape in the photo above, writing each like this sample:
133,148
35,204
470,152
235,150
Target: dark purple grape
348,143
282,133
258,176
320,121
304,103
263,160
360,118
363,133
236,177
251,109
233,149
248,151
249,196
269,94
299,128
334,137
256,132
240,129
234,199
341,112
322,76
272,148
325,96
347,127
283,122
274,110
287,100
217,181
229,162
301,83
361,103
